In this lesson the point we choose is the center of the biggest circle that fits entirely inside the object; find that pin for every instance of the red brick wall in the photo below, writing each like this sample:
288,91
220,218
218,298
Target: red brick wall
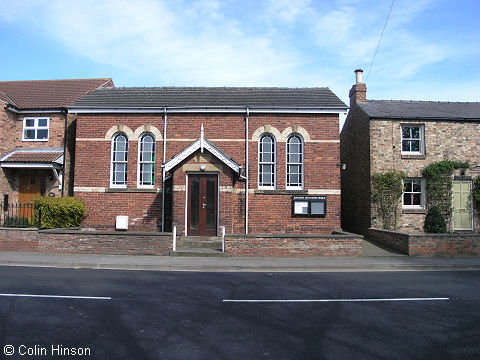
293,246
428,245
82,242
268,213
11,131
18,240
355,154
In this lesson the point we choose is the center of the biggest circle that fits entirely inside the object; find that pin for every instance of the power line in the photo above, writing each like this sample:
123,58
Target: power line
381,36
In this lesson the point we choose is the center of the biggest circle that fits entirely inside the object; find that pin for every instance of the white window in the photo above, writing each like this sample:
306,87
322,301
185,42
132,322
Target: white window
35,129
414,194
146,161
412,139
118,177
295,162
266,162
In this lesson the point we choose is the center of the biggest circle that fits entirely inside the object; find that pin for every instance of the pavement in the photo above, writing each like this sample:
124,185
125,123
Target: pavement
373,258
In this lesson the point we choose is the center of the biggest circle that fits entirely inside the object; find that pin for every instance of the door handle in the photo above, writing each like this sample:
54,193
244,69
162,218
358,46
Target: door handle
204,205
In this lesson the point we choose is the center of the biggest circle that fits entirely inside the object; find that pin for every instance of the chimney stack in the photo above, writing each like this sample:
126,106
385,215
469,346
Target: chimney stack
358,92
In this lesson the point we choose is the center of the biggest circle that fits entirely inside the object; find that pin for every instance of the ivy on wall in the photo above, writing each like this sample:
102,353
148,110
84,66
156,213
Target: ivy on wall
387,189
438,177
476,192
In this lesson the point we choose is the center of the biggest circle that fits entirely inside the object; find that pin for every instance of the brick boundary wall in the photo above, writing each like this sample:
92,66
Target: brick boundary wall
338,243
428,245
66,241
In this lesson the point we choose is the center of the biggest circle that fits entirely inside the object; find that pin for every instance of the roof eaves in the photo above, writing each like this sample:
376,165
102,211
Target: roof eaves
451,118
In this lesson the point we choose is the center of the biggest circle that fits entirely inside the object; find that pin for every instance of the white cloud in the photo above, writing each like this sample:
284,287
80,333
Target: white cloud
248,43
288,11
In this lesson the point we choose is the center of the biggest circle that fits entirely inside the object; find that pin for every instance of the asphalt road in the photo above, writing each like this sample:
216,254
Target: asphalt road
188,315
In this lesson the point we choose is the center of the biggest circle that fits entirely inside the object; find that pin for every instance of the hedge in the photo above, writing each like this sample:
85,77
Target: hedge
59,212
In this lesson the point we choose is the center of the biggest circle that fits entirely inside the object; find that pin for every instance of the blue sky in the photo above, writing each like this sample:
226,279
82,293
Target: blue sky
430,49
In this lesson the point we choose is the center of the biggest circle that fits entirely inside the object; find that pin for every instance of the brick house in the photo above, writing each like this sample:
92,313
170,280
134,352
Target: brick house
34,122
379,136
252,160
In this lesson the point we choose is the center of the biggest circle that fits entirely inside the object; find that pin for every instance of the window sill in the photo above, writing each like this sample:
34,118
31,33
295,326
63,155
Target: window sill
281,192
414,211
34,140
413,157
132,190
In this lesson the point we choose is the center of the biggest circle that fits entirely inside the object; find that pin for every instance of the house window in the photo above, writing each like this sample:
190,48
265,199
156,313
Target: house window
294,162
412,139
35,129
119,161
266,162
414,194
309,206
146,161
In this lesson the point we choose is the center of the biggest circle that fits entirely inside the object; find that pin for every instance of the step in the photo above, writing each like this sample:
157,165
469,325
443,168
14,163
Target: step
197,252
189,242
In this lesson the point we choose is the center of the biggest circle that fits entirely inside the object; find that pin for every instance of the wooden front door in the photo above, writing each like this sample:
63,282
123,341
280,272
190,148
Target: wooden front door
462,205
202,205
31,186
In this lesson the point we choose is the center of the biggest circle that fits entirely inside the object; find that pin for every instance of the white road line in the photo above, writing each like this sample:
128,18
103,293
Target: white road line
328,300
59,296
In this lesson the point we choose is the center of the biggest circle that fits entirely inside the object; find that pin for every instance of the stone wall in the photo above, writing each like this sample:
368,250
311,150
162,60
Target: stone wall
456,140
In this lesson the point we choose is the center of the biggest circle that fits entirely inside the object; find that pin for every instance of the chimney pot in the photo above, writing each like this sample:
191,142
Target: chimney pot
358,74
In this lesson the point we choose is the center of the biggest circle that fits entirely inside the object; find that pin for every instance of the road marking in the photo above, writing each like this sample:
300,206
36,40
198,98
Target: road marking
328,300
59,296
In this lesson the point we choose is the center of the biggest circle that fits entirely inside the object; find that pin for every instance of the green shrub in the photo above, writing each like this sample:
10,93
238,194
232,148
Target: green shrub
387,190
14,221
476,191
434,221
61,212
438,176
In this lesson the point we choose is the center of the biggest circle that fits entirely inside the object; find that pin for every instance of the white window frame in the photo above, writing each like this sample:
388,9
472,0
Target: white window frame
422,194
421,139
112,163
268,187
287,186
35,127
140,162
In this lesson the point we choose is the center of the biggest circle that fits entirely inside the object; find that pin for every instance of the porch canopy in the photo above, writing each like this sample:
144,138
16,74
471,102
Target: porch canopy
35,158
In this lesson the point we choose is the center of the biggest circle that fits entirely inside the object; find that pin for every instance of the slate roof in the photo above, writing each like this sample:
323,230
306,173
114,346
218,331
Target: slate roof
157,97
34,155
47,94
397,109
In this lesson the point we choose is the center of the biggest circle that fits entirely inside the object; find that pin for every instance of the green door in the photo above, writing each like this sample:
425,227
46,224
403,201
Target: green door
462,205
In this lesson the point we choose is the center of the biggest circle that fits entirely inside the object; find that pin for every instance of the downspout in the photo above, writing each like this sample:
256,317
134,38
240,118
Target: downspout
246,170
64,150
163,165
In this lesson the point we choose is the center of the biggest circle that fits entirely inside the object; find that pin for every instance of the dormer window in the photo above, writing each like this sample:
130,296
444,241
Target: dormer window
35,129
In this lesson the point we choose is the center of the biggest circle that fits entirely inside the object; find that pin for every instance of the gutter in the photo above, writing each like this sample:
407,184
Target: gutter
17,110
210,109
246,169
64,151
163,165
421,118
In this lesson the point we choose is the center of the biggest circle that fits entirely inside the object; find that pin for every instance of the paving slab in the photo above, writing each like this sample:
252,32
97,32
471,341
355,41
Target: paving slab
225,264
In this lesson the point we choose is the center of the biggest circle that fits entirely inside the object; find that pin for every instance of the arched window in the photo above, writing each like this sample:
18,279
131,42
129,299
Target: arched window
295,162
146,161
118,177
266,161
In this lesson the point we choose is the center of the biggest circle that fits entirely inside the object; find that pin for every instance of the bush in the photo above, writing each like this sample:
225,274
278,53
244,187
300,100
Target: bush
14,221
61,212
387,190
434,221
